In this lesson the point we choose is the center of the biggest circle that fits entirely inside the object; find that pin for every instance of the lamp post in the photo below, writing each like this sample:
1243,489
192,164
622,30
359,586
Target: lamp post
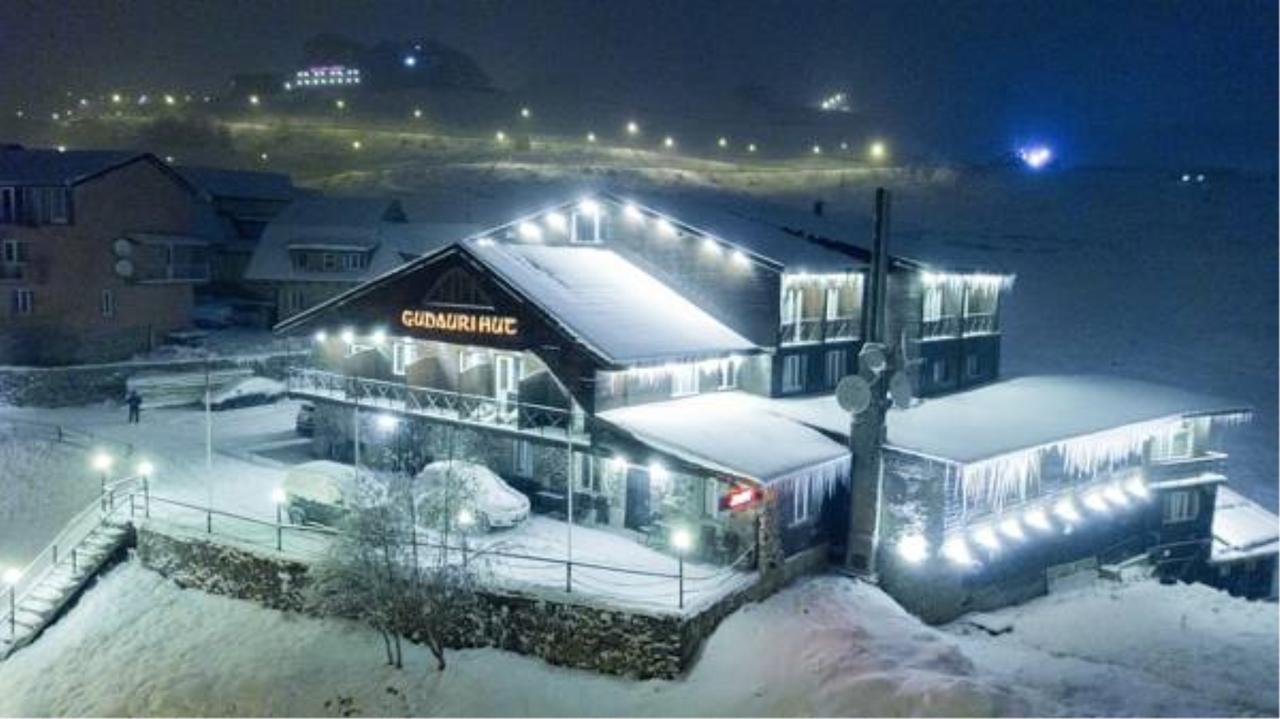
101,462
11,577
681,540
278,498
387,423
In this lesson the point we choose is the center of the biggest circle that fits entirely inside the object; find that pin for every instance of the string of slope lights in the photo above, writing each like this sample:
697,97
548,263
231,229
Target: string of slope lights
1059,514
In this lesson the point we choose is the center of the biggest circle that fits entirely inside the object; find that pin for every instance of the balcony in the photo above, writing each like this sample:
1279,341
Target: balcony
841,328
522,419
983,324
801,331
940,327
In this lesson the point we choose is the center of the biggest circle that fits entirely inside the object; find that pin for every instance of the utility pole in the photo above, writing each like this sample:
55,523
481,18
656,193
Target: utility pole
867,426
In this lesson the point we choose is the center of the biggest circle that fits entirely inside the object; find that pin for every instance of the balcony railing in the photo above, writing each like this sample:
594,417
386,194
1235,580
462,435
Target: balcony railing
513,416
940,327
841,328
984,324
818,330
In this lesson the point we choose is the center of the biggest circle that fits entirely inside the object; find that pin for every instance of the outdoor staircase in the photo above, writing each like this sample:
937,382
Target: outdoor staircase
43,600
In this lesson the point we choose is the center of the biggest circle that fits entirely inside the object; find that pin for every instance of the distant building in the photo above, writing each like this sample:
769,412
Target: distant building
319,247
325,76
244,202
99,253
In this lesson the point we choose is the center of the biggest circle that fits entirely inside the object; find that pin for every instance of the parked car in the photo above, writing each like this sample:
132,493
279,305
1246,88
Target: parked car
471,487
246,393
305,423
319,492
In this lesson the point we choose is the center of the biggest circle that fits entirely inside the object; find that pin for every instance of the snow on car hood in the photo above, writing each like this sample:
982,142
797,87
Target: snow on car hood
491,493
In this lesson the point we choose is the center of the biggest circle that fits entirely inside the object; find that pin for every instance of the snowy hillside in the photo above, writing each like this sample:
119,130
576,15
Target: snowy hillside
139,645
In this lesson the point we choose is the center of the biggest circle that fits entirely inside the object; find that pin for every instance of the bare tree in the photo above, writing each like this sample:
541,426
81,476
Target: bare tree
379,571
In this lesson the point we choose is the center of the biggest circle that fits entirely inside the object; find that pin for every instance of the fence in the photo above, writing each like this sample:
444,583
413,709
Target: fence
507,567
524,417
62,434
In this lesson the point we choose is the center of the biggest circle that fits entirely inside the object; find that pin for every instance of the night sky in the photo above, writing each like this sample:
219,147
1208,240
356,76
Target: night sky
1112,83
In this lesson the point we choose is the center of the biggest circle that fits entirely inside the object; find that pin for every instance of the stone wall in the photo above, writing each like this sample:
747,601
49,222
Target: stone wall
81,384
574,631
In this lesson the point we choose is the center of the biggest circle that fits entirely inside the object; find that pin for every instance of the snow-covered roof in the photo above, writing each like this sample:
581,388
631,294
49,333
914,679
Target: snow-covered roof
1242,529
751,226
613,306
343,224
33,167
1017,414
221,182
728,432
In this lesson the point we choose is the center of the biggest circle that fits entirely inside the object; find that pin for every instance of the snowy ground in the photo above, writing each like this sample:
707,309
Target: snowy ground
45,484
253,448
138,645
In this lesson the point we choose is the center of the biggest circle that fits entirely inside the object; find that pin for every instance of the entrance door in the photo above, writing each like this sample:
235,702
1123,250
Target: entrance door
506,381
637,512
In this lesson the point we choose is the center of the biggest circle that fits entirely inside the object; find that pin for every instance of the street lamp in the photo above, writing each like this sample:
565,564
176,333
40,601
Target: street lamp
278,498
101,462
11,577
465,521
682,541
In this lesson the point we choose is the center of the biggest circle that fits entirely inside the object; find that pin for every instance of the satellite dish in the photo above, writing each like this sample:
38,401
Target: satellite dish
122,247
853,394
124,268
872,358
900,389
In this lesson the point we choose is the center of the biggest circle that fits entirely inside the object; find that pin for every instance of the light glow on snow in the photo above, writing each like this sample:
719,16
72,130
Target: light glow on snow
1137,487
1012,529
1095,501
556,221
529,231
1115,495
986,537
1037,519
956,550
633,213
1066,509
665,228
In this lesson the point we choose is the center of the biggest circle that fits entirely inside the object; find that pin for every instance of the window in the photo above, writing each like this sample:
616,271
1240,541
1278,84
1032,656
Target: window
403,354
13,251
932,307
107,304
792,301
46,204
329,262
941,371
8,205
586,229
833,303
728,374
1171,445
353,261
837,360
684,379
56,202
972,365
293,300
1181,506
470,359
800,499
22,302
793,367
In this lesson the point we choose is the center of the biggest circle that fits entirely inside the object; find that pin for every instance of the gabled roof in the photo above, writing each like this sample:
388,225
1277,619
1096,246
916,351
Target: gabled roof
240,184
20,166
376,226
617,309
1242,529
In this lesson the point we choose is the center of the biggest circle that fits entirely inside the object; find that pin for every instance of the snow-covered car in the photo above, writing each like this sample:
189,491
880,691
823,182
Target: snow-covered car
319,492
305,423
458,485
247,392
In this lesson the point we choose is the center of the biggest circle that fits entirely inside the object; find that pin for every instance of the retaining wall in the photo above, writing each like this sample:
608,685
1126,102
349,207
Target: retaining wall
579,632
82,384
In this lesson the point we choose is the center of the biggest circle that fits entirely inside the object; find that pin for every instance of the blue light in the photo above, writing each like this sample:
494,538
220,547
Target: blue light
410,61
1036,157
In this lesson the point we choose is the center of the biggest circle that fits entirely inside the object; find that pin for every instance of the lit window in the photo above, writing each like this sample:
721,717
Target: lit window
1181,506
684,379
932,307
728,374
403,354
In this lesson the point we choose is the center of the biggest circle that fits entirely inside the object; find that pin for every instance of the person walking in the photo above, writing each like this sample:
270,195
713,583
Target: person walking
134,400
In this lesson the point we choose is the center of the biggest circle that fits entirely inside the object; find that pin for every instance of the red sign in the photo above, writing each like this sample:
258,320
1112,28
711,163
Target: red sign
740,497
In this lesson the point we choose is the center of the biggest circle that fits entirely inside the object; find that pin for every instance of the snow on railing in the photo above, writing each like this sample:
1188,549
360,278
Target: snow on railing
514,415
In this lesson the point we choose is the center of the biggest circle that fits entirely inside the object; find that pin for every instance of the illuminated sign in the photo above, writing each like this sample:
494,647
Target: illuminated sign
461,322
740,497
